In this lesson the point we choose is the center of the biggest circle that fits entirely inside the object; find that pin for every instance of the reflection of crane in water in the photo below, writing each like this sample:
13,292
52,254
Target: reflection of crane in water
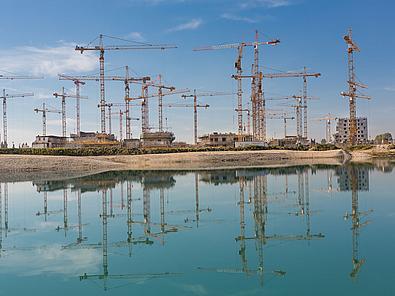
355,216
259,201
45,211
197,210
65,214
105,276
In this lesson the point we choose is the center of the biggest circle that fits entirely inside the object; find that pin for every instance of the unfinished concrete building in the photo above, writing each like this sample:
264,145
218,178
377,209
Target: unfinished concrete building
223,139
49,142
157,139
342,135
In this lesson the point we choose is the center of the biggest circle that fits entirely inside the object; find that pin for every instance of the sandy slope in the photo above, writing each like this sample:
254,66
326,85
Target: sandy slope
28,167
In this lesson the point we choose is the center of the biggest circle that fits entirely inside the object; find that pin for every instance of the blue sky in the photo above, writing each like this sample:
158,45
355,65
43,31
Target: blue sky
38,37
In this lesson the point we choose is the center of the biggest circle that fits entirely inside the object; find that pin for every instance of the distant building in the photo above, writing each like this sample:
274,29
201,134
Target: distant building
157,139
49,142
343,130
223,139
131,143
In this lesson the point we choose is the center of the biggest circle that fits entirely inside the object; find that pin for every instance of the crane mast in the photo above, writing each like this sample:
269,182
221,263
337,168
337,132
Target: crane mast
62,95
328,123
195,96
44,112
6,96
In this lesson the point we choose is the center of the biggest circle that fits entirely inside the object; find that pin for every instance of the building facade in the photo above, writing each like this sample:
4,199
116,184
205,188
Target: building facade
223,139
343,130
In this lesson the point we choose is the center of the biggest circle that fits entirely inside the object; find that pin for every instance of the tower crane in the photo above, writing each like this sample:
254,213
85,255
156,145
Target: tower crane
62,95
44,112
109,116
123,113
195,96
127,80
12,77
118,114
285,117
77,82
353,85
195,119
247,110
304,74
144,105
101,48
160,87
239,71
328,130
299,106
6,96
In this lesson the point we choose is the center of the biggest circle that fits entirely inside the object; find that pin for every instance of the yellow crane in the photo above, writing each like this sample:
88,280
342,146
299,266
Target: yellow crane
353,85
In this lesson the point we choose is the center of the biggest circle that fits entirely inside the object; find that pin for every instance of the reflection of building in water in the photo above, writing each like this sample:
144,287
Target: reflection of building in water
219,177
361,180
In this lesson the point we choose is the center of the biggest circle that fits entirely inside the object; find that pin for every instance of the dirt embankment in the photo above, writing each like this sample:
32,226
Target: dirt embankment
377,152
28,167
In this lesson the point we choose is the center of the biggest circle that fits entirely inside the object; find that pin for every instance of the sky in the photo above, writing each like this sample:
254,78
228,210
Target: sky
39,37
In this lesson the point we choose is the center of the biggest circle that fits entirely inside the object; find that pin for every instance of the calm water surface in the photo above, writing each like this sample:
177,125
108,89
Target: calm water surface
288,231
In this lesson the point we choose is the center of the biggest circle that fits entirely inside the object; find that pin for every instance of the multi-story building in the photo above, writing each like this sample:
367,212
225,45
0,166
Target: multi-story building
343,130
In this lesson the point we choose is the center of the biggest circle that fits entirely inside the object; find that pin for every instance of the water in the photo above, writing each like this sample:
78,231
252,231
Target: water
286,231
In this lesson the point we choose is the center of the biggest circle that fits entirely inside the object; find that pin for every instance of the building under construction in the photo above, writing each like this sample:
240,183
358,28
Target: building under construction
86,139
342,135
157,139
223,139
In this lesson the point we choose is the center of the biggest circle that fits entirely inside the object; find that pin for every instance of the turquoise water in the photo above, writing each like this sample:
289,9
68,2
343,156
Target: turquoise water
318,230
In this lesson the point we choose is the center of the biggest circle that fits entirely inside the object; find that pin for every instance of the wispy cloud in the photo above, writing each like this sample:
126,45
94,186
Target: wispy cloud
250,20
47,61
157,2
135,36
50,260
390,88
193,24
264,3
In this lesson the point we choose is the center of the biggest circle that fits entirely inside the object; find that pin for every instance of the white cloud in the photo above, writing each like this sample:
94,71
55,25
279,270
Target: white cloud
190,25
251,20
51,260
265,3
47,61
389,88
135,36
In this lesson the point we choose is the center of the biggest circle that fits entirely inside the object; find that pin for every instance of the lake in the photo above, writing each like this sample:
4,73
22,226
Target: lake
305,230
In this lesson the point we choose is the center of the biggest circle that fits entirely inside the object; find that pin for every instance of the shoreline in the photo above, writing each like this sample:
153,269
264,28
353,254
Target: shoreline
39,167
14,168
